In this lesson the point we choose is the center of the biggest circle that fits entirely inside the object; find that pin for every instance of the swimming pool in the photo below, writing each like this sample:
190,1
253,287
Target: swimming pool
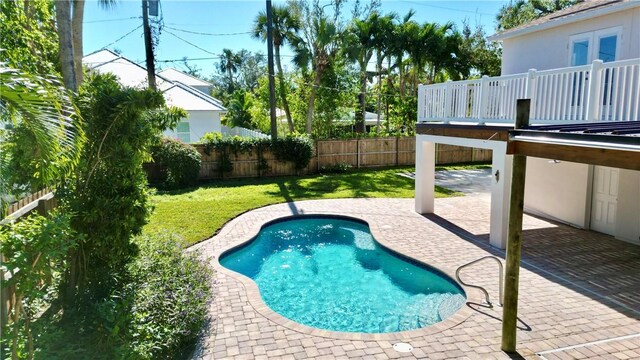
330,273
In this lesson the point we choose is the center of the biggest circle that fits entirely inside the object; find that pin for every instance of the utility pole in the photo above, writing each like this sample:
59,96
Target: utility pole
148,45
272,83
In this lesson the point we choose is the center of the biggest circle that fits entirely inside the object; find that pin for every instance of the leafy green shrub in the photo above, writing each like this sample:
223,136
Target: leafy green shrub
108,191
179,163
297,149
161,311
34,252
339,168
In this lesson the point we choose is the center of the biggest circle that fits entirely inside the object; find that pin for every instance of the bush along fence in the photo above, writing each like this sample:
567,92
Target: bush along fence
26,274
229,158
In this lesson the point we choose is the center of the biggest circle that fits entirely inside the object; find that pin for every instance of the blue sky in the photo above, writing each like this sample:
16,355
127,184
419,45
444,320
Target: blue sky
230,21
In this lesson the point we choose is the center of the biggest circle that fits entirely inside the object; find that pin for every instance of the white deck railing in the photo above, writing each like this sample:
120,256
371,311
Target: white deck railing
597,92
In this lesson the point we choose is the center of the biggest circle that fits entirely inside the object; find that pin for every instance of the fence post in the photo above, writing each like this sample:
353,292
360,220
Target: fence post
397,150
358,152
4,291
484,94
447,101
593,95
318,154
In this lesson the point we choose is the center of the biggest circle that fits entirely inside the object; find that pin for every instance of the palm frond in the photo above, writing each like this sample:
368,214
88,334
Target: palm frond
43,109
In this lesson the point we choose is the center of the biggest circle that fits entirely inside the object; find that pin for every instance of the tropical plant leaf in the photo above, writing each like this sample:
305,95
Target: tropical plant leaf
42,112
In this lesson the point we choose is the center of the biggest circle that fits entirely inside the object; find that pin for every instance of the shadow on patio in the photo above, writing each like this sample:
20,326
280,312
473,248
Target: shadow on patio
592,264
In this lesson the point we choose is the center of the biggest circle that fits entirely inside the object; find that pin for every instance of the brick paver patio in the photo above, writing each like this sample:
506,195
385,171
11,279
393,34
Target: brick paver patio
579,290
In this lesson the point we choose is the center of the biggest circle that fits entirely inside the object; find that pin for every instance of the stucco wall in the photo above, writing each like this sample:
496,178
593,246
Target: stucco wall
549,49
628,209
200,123
558,190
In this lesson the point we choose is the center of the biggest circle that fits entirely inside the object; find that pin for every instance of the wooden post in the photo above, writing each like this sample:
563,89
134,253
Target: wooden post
318,154
148,46
514,240
358,152
397,150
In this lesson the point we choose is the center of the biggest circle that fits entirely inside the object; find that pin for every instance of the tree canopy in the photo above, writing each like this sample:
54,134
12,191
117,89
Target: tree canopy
519,12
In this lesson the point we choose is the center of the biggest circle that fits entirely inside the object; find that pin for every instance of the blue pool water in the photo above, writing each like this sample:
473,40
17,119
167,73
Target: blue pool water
330,273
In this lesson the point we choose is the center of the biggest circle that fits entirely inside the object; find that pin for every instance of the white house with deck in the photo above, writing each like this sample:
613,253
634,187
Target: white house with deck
180,89
580,65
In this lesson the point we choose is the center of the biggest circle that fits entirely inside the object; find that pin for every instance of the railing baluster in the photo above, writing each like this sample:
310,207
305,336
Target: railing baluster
595,92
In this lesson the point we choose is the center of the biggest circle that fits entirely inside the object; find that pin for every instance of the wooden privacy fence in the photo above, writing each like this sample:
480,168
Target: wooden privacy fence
358,153
41,202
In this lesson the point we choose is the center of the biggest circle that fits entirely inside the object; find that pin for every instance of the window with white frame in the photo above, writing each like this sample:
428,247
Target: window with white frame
183,131
601,44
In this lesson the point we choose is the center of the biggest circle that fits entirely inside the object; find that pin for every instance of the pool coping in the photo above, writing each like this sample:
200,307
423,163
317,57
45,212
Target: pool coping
474,296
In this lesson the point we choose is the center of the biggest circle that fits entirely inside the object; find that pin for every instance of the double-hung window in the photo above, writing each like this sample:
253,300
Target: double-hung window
183,131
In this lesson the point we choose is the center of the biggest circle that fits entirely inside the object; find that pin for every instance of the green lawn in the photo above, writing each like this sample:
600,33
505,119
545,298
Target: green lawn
198,213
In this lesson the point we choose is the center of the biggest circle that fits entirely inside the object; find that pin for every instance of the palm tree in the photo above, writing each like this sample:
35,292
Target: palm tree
69,19
382,32
400,37
42,110
65,41
239,106
229,64
286,25
320,49
360,47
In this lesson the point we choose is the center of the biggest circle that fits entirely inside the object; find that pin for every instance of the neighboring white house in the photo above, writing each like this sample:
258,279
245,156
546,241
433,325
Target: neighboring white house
186,79
554,61
179,90
204,111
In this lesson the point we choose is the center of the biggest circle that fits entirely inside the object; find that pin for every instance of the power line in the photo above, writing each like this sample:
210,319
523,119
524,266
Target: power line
445,8
190,59
111,20
190,43
208,34
122,37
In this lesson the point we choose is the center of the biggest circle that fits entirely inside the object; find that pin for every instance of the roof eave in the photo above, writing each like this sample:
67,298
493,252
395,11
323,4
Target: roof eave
565,20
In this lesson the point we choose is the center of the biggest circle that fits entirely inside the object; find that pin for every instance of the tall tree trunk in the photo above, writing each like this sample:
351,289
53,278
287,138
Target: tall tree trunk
312,100
76,27
379,104
65,44
360,125
401,77
388,87
283,92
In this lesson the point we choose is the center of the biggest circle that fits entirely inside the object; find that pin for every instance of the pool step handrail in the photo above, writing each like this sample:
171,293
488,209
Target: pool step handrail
486,293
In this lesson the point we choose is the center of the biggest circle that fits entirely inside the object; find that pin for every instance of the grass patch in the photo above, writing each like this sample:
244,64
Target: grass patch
464,166
198,213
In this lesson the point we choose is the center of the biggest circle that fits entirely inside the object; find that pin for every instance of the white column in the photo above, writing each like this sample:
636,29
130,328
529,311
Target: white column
500,191
425,175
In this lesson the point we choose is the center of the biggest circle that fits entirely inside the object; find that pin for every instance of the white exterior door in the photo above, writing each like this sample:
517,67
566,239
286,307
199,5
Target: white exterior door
604,199
587,47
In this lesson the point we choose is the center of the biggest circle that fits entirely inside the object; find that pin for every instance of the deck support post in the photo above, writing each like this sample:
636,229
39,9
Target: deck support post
514,239
425,175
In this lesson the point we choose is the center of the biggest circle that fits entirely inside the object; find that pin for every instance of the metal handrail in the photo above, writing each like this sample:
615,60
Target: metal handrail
486,293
